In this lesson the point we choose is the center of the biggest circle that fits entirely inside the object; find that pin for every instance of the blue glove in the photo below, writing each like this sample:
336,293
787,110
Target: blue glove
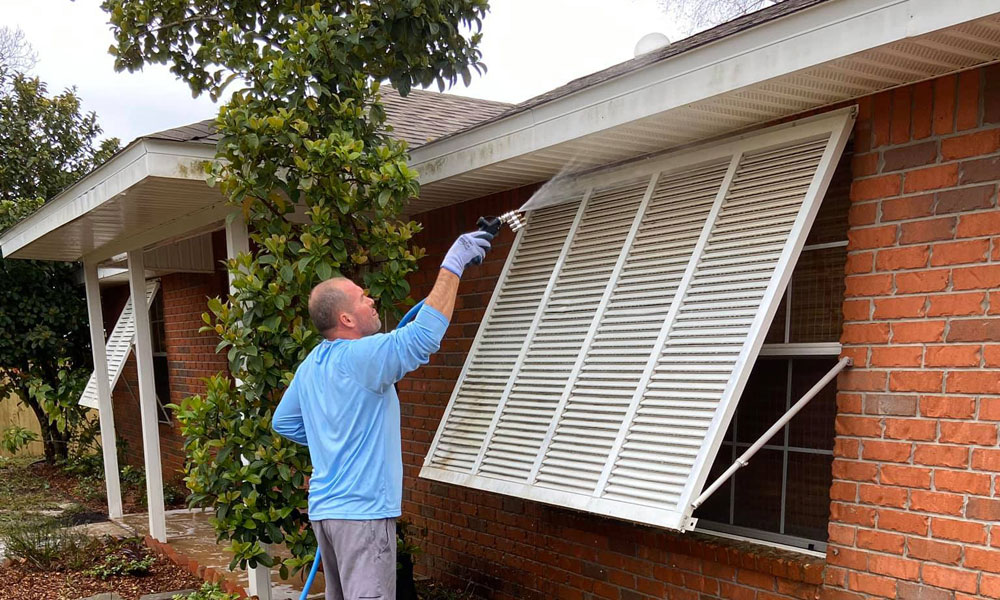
468,249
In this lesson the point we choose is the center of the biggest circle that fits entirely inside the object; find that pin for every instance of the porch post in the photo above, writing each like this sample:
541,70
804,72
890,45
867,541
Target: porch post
105,411
237,241
147,397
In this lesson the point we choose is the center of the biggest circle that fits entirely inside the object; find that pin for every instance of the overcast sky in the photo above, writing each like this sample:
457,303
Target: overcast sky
529,46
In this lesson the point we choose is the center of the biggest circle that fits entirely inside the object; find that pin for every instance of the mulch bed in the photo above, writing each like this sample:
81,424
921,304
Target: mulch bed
17,583
67,485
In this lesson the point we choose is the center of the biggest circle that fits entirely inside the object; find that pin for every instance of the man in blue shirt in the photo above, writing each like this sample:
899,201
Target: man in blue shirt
342,403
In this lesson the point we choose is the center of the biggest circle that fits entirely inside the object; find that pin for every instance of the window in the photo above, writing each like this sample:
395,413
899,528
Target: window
161,368
783,495
620,336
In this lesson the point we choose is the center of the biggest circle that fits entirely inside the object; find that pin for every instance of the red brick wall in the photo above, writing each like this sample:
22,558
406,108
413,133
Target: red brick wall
191,356
915,492
917,458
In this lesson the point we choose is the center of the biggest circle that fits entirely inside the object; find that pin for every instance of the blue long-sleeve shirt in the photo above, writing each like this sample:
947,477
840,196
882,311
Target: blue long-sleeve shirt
343,405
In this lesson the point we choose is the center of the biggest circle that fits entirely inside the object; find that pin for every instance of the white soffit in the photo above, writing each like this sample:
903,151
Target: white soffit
829,53
626,322
151,191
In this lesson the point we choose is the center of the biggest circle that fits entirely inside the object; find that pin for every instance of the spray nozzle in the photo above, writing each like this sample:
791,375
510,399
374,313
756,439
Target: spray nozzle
513,219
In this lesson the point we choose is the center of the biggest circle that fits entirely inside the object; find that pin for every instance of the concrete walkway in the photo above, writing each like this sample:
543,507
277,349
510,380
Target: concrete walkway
190,535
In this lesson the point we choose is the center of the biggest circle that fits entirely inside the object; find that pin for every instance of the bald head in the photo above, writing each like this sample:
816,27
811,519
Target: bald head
340,309
326,303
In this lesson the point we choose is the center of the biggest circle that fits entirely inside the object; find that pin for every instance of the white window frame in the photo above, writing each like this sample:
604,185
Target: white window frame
836,124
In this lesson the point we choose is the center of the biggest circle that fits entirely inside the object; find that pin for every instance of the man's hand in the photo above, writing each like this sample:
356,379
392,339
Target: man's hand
468,249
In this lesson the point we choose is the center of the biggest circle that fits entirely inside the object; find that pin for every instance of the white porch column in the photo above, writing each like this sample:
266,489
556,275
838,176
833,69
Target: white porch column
237,241
105,411
147,397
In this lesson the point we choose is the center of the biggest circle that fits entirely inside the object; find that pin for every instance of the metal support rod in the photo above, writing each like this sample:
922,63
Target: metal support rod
744,458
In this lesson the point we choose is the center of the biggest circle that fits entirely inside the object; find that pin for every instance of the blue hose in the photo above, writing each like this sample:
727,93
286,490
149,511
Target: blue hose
409,316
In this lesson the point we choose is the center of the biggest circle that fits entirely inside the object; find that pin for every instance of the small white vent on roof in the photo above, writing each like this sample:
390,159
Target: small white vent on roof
650,42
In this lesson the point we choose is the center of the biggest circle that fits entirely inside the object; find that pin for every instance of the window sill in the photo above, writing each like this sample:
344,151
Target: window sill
788,563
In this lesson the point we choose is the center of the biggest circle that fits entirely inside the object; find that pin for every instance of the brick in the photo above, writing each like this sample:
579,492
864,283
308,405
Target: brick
930,178
983,560
854,471
952,579
944,104
897,356
881,119
892,566
947,407
991,94
886,451
924,549
973,382
899,128
967,109
970,144
936,502
979,170
913,257
890,404
923,102
874,188
994,304
976,278
952,355
974,330
862,214
908,207
928,230
846,448
867,285
862,380
863,165
911,429
921,281
872,584
962,482
915,381
978,224
939,455
957,253
909,332
991,356
852,514
859,354
871,237
983,509
989,409
865,333
882,495
981,434
907,157
880,540
899,308
957,305
918,591
959,531
906,522
858,426
905,476
844,490
858,310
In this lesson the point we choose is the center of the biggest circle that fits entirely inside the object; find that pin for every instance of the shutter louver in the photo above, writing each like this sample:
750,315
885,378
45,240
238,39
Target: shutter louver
505,330
118,347
624,326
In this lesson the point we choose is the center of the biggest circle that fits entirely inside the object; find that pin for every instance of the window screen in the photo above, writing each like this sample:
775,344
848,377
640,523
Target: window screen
624,323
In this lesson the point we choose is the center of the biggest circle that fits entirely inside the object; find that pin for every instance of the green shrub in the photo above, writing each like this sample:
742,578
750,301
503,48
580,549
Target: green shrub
16,438
128,557
44,543
208,591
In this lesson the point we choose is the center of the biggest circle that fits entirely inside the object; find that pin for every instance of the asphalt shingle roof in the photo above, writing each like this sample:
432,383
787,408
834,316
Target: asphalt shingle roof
418,118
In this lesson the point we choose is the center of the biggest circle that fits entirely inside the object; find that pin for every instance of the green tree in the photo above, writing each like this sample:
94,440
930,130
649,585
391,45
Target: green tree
306,131
46,144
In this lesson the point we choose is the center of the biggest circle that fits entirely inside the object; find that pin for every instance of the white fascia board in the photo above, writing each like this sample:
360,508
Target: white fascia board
811,37
141,159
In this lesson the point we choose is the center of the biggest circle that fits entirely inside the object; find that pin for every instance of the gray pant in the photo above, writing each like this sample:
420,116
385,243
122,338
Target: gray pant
359,558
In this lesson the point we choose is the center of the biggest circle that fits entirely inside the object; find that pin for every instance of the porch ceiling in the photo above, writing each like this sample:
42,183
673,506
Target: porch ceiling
150,192
829,53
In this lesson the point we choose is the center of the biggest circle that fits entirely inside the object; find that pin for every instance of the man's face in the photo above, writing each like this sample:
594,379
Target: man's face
362,310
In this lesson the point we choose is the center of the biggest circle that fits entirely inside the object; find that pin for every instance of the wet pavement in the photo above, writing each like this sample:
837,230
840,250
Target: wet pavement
191,535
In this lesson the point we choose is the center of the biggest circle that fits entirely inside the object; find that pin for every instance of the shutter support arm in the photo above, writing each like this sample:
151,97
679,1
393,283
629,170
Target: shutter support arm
744,458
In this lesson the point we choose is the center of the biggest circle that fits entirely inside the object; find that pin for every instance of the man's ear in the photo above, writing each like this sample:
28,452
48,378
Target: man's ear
346,320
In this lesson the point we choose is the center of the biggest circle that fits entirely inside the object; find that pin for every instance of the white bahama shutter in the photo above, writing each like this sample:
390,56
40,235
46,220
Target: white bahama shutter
118,347
626,322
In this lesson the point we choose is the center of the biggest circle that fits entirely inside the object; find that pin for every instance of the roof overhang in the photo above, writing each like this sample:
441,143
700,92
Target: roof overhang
820,56
150,192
